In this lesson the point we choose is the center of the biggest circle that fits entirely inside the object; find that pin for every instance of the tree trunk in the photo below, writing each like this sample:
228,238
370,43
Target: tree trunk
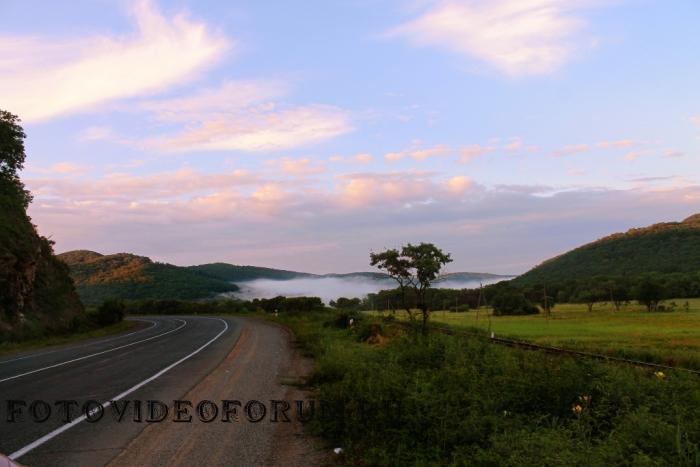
424,310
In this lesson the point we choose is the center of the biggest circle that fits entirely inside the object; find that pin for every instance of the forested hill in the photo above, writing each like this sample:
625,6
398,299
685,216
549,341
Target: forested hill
234,273
36,293
126,276
671,247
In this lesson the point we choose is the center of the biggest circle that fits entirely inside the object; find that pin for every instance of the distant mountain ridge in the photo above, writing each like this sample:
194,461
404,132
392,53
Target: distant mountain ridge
668,247
123,275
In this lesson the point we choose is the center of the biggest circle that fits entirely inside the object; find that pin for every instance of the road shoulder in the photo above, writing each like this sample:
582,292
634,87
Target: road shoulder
257,368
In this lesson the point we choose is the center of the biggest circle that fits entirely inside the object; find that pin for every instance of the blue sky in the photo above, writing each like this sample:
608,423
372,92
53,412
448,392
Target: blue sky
305,134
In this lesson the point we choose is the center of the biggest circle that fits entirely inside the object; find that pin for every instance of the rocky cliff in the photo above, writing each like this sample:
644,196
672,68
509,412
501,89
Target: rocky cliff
36,293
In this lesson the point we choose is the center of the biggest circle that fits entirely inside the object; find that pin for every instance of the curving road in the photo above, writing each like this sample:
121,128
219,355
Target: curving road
162,360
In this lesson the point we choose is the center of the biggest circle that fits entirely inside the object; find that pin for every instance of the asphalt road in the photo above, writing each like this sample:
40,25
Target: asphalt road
163,360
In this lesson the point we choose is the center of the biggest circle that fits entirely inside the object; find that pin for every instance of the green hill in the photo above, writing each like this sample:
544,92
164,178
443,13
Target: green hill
233,273
126,276
671,247
36,293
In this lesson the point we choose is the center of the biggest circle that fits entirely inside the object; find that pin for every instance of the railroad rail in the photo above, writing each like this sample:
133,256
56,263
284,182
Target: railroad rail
556,350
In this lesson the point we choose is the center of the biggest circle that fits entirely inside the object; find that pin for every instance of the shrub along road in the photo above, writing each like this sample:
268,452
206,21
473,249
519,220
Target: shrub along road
170,358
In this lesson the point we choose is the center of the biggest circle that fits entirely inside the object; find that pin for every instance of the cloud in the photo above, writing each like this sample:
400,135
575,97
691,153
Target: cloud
119,187
571,149
300,167
419,154
202,104
96,133
363,158
469,153
236,115
459,184
633,155
68,168
264,128
515,37
618,144
323,228
47,77
514,146
402,188
671,154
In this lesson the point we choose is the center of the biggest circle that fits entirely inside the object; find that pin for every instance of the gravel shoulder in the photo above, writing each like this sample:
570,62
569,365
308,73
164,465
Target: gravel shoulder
255,369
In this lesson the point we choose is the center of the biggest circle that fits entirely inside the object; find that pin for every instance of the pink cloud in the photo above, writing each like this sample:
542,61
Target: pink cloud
300,167
571,150
360,211
262,128
514,146
618,144
363,158
419,154
48,77
516,37
469,153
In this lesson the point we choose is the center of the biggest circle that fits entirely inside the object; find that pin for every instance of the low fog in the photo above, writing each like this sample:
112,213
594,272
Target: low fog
331,288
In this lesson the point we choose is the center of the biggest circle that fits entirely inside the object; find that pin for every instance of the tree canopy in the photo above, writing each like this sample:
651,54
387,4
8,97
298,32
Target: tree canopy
12,158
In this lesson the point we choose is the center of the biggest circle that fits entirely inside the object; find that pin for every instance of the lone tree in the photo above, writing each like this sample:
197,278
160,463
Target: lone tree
414,267
649,293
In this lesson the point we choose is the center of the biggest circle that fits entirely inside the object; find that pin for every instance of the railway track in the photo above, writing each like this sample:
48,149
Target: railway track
557,350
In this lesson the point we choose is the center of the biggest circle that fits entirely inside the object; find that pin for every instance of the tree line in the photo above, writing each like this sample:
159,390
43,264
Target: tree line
507,298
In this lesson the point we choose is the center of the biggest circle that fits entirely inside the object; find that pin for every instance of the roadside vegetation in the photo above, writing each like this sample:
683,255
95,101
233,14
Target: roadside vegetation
409,399
11,347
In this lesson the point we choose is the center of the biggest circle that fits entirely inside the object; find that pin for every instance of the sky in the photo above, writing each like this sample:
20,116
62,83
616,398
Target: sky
303,135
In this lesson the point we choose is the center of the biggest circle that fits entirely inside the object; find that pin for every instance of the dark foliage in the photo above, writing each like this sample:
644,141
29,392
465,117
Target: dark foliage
512,302
110,312
233,273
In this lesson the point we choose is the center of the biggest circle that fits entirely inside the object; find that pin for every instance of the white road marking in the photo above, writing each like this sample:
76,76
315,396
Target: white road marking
94,354
153,324
19,453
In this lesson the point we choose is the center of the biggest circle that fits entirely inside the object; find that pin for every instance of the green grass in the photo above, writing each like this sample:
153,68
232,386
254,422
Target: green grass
34,344
663,337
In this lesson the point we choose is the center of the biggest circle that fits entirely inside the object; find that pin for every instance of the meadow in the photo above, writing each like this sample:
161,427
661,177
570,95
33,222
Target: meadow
671,338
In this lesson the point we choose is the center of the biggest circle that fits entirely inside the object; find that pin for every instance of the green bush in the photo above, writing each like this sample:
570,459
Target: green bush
110,312
512,302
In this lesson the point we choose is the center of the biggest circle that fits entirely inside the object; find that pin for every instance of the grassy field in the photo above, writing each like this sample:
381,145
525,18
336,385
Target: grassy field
664,337
33,344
